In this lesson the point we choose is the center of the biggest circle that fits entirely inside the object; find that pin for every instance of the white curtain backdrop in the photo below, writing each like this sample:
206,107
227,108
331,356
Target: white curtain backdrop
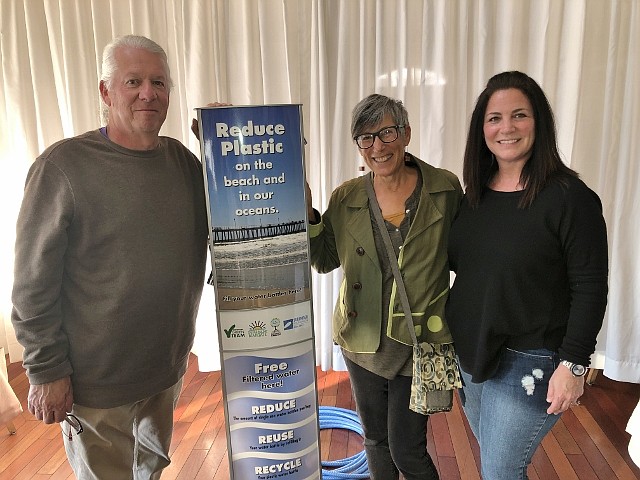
435,55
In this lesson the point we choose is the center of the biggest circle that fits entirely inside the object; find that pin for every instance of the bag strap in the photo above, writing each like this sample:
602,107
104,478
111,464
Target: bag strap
393,260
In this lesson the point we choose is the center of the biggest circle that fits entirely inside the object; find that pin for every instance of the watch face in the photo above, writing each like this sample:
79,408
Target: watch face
578,370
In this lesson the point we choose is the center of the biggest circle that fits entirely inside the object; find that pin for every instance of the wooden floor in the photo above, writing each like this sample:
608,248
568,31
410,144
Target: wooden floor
588,443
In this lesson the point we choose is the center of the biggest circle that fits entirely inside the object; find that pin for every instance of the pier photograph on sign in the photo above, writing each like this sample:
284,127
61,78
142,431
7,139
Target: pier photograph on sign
253,158
262,272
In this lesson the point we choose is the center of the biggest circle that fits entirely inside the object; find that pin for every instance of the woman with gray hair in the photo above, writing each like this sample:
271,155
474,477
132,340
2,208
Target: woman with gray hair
417,202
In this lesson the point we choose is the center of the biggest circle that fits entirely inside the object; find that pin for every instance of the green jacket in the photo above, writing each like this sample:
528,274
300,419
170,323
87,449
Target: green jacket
344,237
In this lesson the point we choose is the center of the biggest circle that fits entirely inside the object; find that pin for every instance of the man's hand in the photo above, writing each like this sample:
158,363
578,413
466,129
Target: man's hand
194,123
564,390
50,402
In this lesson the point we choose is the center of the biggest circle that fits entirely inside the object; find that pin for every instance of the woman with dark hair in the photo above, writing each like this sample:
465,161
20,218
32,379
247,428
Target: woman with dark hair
418,203
529,249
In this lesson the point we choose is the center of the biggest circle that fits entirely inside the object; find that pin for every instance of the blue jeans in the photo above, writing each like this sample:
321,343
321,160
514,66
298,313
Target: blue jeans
395,438
508,412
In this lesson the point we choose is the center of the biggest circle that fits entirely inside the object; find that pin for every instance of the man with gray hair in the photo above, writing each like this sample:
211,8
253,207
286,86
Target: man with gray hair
110,261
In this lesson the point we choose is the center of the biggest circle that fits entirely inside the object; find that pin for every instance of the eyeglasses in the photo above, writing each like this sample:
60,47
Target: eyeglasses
74,426
386,135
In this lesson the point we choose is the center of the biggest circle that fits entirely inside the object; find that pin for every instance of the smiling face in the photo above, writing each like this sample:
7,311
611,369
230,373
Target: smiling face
386,159
509,126
138,98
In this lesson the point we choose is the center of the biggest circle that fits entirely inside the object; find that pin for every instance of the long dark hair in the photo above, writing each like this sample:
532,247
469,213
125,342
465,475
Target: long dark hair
544,164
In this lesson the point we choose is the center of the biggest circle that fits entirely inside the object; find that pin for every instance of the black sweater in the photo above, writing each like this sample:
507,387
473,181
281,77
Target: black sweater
528,278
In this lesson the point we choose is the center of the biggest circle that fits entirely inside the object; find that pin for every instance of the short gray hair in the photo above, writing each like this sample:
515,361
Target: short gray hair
371,111
110,65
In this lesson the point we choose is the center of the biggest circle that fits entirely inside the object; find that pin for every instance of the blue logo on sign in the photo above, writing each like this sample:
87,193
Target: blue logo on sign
288,324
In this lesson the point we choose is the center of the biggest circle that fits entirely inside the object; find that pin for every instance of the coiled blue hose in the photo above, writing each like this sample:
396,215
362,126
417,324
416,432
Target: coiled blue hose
354,467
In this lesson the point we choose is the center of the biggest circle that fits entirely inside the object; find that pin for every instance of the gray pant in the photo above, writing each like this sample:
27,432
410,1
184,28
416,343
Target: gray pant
123,443
395,438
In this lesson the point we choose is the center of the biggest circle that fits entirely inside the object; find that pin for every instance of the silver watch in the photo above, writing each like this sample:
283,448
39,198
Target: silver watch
574,368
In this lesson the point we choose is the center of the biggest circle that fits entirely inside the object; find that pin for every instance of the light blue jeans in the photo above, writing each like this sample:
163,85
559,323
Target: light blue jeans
508,412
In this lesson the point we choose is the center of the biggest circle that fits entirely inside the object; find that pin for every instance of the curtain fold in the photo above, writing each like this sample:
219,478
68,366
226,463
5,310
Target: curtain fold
435,55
